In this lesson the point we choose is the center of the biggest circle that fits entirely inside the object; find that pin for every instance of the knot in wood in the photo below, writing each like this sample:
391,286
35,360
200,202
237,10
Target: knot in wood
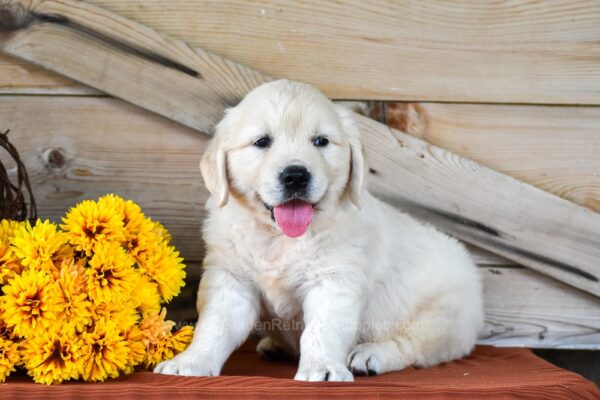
55,159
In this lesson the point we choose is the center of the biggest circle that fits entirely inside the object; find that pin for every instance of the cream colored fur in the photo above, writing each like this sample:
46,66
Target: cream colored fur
370,289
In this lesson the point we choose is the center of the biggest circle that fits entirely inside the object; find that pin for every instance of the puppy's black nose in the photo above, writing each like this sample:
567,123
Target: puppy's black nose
295,178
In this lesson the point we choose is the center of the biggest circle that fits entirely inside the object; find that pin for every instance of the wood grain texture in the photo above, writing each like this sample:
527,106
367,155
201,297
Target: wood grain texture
483,207
522,307
165,75
554,148
471,51
81,148
21,77
129,60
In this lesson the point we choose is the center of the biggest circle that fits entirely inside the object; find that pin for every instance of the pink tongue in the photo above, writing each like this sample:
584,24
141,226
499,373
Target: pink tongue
293,217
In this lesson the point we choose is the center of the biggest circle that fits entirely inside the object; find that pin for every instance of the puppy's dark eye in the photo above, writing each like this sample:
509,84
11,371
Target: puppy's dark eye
263,142
320,141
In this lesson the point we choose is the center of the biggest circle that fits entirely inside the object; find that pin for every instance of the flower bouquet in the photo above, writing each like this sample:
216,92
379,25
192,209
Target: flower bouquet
83,300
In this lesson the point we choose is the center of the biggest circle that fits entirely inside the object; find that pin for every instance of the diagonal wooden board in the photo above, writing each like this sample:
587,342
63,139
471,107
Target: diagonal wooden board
193,87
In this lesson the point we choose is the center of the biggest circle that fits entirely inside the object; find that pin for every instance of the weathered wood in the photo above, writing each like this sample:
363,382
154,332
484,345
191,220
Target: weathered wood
82,148
21,77
473,51
167,76
101,123
128,60
522,308
554,148
483,207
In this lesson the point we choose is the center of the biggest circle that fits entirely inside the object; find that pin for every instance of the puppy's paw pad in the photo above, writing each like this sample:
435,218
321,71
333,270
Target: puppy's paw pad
365,359
322,372
268,349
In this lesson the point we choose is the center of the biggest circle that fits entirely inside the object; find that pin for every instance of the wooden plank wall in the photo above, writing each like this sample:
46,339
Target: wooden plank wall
450,65
468,51
554,148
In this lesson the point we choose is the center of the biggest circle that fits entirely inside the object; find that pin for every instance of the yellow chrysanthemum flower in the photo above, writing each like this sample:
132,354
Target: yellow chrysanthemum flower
179,341
29,302
39,246
85,301
75,268
7,230
52,356
162,232
9,357
145,296
167,348
137,348
64,255
123,314
161,343
92,222
130,213
73,304
165,267
5,331
110,276
9,263
104,352
155,327
142,245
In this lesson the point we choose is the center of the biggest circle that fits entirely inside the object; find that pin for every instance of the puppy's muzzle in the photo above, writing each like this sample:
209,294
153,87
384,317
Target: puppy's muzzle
295,179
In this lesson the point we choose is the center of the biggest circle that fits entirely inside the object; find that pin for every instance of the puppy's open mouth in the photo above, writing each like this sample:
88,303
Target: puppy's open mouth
292,216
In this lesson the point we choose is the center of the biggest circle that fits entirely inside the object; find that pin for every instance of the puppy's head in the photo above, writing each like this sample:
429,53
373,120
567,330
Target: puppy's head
286,151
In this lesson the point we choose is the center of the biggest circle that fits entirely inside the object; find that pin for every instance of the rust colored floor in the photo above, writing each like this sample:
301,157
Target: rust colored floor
491,373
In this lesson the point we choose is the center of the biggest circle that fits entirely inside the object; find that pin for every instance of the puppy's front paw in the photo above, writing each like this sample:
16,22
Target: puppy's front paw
188,364
322,371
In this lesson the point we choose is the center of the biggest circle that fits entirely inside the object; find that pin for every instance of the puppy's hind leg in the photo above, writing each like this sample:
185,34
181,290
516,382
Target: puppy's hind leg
431,338
271,349
373,358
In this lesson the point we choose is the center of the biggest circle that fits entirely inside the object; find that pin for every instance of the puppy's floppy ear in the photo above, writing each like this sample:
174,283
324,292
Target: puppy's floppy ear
357,172
357,163
213,167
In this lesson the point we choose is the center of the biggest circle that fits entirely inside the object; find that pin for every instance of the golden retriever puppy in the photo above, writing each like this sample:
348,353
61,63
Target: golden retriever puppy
293,237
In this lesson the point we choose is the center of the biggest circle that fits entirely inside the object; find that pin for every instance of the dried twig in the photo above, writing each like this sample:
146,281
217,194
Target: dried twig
12,199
